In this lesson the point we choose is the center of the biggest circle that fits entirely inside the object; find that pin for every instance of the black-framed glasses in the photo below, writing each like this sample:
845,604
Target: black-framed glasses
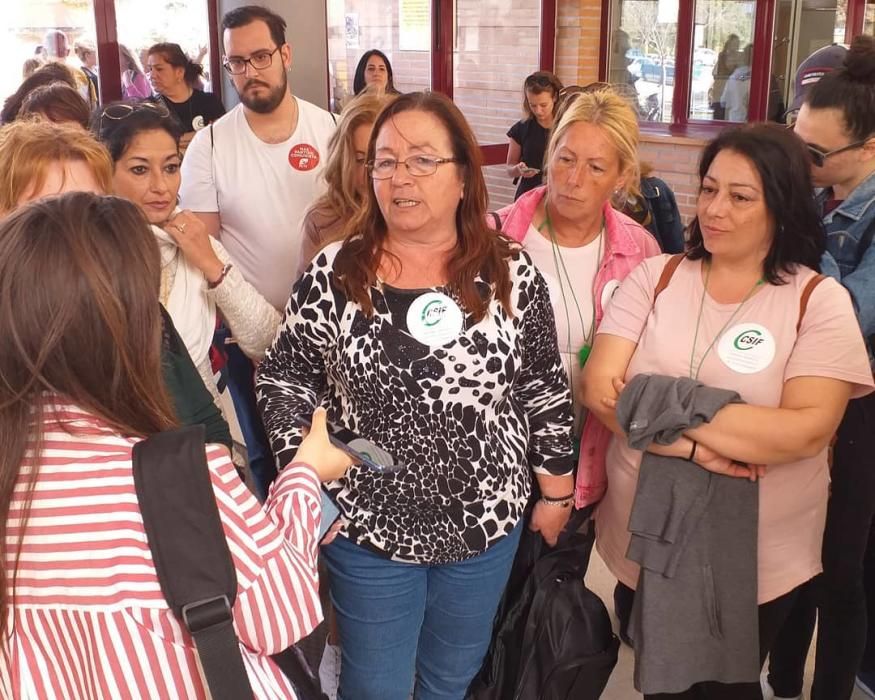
122,110
260,60
418,166
819,157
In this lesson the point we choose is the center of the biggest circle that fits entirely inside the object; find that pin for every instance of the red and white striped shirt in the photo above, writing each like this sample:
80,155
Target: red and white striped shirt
88,619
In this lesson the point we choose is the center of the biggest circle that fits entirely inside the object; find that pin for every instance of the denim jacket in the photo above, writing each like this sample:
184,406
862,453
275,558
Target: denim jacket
850,255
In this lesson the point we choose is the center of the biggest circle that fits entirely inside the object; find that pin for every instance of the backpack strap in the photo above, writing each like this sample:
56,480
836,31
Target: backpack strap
667,273
191,554
806,295
496,219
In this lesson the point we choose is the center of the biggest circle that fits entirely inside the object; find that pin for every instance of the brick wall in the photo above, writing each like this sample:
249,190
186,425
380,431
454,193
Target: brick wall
675,160
578,26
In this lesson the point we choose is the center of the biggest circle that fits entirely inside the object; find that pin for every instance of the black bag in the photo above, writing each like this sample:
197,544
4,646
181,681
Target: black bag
552,638
193,563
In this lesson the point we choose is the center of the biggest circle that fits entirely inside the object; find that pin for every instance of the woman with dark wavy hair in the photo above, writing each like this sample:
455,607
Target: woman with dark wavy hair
731,316
432,338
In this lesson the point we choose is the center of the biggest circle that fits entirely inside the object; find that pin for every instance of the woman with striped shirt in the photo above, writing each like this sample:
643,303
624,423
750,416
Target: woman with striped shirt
81,611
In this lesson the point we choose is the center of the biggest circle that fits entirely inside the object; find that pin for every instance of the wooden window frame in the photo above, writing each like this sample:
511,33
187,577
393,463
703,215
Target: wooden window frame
106,31
764,18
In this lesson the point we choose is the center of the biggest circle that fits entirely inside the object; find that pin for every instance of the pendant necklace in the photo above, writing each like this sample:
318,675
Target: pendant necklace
697,368
558,261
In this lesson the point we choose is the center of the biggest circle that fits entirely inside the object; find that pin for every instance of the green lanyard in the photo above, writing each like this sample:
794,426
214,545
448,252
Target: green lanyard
583,353
721,331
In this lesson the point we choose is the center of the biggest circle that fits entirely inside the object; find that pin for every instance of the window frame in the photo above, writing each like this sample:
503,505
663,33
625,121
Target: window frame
106,30
764,23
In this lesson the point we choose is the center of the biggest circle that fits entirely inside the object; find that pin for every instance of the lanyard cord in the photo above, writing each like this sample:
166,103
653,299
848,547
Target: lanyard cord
557,261
721,331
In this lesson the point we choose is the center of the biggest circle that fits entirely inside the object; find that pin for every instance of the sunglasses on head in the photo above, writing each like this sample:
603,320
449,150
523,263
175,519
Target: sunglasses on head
123,110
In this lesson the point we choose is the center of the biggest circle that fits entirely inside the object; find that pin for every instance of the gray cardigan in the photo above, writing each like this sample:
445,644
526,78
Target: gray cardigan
694,534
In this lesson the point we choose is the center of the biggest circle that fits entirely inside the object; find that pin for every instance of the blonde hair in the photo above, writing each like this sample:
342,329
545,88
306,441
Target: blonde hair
613,115
29,148
342,201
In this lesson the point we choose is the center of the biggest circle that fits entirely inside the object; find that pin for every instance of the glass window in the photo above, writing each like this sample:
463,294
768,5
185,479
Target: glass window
497,45
801,28
642,54
139,26
869,20
34,33
401,29
722,50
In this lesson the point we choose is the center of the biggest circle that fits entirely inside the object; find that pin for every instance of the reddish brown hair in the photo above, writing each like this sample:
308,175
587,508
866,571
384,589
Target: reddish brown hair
79,278
57,102
479,251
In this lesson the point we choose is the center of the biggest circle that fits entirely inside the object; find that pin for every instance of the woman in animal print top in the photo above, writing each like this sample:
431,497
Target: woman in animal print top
433,338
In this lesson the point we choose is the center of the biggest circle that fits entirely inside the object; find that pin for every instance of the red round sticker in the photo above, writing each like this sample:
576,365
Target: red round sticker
303,157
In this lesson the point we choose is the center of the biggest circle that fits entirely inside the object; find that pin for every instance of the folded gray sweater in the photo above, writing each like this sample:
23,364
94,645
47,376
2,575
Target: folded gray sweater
694,534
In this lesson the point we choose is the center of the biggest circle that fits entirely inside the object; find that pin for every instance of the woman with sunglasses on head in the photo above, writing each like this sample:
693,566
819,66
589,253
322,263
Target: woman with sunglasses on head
197,274
527,139
433,339
837,123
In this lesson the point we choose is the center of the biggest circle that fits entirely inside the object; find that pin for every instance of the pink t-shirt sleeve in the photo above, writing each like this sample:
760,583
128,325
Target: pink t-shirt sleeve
627,312
830,343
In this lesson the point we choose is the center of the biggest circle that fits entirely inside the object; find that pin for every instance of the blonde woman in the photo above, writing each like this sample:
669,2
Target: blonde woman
345,174
582,246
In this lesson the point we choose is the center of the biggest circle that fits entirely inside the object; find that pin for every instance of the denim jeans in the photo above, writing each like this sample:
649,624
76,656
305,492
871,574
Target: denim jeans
838,593
241,385
398,620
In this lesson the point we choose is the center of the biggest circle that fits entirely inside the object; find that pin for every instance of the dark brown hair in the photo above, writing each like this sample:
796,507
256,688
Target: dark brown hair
538,82
850,89
175,56
478,250
780,158
58,103
80,319
49,73
246,15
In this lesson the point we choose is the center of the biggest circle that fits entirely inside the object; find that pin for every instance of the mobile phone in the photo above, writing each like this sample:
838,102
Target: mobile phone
530,171
330,514
362,451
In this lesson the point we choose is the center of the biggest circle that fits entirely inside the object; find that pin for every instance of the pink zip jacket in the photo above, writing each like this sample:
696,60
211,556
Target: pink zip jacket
627,244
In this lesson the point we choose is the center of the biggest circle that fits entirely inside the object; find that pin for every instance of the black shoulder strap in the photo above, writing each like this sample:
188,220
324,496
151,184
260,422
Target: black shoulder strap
192,559
496,219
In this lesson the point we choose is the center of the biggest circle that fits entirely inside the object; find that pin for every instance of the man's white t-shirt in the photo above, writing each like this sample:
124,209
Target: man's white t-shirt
260,190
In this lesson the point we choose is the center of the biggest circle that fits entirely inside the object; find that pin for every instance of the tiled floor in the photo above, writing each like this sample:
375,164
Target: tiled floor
602,582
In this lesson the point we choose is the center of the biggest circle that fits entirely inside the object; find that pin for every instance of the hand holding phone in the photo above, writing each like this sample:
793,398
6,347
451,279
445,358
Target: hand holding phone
358,448
319,452
526,171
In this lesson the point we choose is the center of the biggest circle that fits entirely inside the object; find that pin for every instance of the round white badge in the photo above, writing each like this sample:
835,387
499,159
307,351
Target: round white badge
434,319
608,292
747,348
198,123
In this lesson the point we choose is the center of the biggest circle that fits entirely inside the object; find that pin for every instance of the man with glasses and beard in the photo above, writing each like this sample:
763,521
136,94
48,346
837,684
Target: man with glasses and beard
250,177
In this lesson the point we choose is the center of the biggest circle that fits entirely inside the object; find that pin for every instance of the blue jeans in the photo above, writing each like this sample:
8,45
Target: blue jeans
241,385
398,619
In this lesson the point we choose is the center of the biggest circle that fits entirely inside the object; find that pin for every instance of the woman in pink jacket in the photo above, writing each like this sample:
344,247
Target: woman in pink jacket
582,246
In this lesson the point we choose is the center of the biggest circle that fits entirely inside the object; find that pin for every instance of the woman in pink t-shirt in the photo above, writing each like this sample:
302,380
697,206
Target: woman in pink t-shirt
755,244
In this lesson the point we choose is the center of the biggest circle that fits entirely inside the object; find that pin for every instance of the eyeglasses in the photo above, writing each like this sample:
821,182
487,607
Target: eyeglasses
123,110
418,166
818,157
259,61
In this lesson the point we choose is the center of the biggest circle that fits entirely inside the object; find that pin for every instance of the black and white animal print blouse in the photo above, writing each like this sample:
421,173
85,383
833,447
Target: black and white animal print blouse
470,419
